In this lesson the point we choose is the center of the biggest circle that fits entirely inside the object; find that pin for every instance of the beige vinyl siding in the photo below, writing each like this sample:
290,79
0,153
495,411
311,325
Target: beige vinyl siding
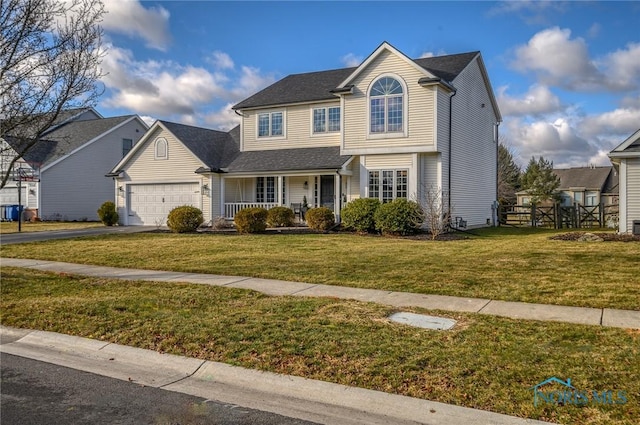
354,184
75,187
179,167
633,192
428,171
388,161
473,154
296,191
420,107
298,129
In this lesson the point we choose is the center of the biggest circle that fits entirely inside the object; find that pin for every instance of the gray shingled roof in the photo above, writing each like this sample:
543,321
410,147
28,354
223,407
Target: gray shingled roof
315,86
327,158
587,177
68,137
214,148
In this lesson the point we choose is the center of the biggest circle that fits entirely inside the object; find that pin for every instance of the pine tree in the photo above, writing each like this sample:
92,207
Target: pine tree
540,181
508,175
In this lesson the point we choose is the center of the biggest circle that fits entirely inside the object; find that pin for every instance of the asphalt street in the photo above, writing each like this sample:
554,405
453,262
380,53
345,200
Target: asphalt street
39,393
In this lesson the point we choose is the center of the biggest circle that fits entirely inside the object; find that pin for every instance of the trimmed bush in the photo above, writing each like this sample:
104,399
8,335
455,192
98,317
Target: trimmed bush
108,214
359,214
320,219
251,220
280,217
184,219
399,217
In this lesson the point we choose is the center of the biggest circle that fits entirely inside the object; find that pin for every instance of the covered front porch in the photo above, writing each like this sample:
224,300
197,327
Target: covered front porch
288,190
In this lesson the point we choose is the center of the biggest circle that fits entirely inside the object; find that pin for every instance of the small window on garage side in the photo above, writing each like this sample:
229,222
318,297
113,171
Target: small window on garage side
127,145
161,148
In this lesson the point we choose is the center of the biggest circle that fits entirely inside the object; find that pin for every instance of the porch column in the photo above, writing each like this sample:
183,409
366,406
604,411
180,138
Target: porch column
223,182
279,189
337,196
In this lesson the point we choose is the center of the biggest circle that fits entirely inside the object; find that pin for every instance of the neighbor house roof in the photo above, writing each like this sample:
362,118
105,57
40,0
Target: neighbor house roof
325,158
593,178
629,148
316,86
214,148
68,137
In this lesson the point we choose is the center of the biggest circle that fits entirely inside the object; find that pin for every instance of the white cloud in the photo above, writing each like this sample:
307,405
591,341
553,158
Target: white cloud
594,30
173,91
221,60
557,59
533,12
148,119
131,18
224,119
619,121
351,60
538,100
427,55
623,67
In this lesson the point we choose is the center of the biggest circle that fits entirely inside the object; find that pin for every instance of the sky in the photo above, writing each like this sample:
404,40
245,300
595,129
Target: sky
566,75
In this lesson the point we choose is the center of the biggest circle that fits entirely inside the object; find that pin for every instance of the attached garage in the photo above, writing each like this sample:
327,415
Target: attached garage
149,204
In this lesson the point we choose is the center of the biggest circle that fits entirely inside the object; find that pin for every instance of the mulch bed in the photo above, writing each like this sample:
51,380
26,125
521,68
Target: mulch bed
607,237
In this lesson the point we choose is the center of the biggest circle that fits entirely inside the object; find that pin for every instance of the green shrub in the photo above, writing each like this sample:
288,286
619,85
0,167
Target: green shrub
184,219
280,217
108,214
399,217
359,214
320,219
251,220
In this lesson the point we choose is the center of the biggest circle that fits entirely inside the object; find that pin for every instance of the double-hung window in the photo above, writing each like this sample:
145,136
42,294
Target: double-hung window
270,124
326,120
266,189
127,145
387,185
386,106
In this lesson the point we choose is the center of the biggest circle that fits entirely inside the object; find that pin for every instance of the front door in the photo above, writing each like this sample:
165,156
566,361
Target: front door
327,192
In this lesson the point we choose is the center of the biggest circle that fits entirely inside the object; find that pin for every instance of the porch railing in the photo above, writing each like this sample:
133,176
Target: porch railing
231,208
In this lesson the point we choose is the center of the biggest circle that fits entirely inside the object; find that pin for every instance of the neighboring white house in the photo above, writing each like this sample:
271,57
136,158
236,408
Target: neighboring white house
393,127
626,158
71,160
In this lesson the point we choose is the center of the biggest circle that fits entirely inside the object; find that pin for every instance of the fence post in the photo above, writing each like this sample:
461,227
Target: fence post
533,215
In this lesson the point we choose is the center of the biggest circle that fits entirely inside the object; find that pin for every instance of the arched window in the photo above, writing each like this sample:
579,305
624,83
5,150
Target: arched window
386,106
162,149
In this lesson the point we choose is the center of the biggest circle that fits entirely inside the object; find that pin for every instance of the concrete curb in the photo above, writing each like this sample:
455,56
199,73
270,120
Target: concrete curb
515,310
293,396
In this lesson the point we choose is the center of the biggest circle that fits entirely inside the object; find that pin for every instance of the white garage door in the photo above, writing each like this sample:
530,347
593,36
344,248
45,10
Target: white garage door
149,204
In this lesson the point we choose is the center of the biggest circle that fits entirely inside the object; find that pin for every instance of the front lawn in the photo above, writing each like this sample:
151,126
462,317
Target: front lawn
44,226
485,362
502,264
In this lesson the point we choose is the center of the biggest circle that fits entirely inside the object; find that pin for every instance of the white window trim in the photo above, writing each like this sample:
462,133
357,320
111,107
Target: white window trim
155,148
405,110
395,184
326,132
270,137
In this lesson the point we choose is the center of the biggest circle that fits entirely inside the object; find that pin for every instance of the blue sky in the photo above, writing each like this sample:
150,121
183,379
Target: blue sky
566,74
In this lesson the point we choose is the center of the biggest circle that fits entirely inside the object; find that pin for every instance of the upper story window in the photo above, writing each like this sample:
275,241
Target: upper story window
127,145
161,148
386,106
326,120
270,124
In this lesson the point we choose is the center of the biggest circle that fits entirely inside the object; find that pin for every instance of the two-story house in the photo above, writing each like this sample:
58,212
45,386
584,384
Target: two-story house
393,127
70,162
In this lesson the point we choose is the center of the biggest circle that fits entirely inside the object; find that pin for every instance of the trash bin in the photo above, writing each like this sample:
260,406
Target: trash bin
636,227
13,211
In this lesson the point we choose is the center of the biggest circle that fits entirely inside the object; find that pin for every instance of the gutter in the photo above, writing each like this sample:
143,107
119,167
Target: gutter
450,144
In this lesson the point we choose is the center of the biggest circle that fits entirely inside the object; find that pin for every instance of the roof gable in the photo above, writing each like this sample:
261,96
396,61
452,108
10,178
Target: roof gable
320,86
71,136
631,144
593,178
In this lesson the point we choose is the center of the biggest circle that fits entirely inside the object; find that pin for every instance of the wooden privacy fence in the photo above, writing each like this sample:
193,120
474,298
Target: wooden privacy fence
557,216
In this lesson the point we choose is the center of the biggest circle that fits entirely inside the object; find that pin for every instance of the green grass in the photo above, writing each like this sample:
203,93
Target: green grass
44,226
484,362
502,264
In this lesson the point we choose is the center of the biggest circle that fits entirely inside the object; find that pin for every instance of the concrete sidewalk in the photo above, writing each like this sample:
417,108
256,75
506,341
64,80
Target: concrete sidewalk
291,396
516,310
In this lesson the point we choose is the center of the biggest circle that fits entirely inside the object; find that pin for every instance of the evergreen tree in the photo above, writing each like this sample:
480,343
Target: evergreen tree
540,181
508,175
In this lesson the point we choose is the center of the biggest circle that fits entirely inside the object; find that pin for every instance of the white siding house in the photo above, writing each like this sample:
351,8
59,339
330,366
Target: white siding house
71,160
626,158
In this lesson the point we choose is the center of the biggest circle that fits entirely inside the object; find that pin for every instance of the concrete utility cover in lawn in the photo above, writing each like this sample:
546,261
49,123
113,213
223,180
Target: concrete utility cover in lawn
423,321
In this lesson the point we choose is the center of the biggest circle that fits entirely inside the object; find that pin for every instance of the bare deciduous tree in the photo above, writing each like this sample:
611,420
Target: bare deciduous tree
436,210
50,54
